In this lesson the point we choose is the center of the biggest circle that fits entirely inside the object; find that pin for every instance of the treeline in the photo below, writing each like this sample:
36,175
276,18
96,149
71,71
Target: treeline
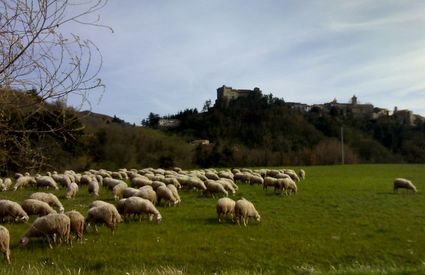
261,130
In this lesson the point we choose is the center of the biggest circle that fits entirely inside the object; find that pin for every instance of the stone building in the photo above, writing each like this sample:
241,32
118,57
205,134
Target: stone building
226,94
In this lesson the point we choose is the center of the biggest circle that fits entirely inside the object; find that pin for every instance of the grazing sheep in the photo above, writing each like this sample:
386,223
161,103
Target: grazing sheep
116,216
24,181
50,227
164,193
292,174
269,182
156,184
63,179
255,179
211,176
129,192
4,243
172,181
110,182
140,181
244,210
12,209
404,183
36,207
139,206
77,222
50,198
148,193
175,192
225,207
46,181
302,174
72,190
102,215
214,187
287,185
228,185
6,184
93,187
118,189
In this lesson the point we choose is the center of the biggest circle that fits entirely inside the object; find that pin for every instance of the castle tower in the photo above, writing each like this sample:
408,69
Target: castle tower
354,100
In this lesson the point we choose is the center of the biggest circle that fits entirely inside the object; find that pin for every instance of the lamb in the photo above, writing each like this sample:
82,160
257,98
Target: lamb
50,198
225,207
405,184
164,193
46,181
139,206
51,226
4,243
244,210
24,181
36,207
12,209
77,222
102,215
72,190
118,189
214,187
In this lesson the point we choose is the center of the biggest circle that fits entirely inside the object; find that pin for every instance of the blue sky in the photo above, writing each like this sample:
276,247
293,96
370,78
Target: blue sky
166,56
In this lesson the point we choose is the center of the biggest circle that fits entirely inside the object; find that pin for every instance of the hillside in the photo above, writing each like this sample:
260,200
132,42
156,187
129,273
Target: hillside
261,130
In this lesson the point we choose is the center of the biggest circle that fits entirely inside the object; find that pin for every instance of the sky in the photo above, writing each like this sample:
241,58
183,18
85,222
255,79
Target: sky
165,56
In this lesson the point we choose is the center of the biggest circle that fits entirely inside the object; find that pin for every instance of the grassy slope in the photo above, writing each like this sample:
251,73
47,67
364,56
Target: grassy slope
344,219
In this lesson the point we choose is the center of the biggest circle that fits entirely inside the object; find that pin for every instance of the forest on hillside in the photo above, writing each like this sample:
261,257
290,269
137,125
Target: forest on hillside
261,130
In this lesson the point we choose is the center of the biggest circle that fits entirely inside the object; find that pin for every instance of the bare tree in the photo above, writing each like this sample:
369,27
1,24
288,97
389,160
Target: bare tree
40,64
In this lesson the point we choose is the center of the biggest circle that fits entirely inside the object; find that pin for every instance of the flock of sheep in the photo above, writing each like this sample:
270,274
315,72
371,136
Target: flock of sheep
149,188
137,193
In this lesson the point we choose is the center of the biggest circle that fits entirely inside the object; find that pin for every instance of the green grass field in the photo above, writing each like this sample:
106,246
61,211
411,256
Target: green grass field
343,220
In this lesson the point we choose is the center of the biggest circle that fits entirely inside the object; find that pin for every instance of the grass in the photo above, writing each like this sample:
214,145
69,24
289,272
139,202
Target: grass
343,220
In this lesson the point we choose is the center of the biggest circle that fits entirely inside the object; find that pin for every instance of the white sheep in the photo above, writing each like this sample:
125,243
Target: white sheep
292,174
63,179
287,185
148,193
77,222
302,174
4,243
404,183
140,181
23,181
46,181
167,195
256,179
214,187
50,198
228,185
269,182
116,216
175,192
72,190
102,215
129,192
245,210
12,209
225,207
52,226
6,184
93,187
118,189
36,207
139,206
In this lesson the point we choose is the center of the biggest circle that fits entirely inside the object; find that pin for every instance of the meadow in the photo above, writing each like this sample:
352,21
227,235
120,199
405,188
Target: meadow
343,220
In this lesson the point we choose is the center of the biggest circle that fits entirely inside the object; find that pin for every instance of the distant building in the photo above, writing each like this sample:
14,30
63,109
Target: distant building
168,123
404,116
299,106
201,142
226,94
